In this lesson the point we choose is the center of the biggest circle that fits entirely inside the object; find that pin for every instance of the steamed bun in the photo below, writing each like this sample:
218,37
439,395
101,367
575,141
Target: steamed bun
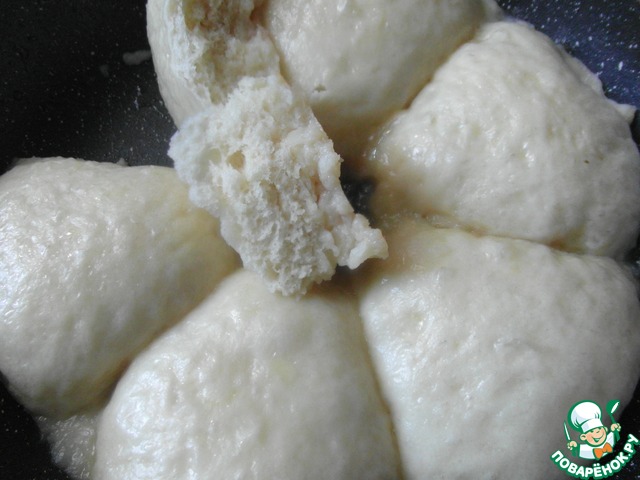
96,260
482,344
514,138
251,385
73,442
250,148
202,48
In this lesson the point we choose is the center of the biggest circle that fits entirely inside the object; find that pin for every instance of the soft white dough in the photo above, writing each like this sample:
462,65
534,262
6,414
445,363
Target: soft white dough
262,164
250,147
73,442
251,385
202,48
359,61
96,260
514,138
483,344
355,61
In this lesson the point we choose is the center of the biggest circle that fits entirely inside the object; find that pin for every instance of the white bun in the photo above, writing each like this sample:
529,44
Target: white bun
514,138
483,344
251,385
267,170
96,260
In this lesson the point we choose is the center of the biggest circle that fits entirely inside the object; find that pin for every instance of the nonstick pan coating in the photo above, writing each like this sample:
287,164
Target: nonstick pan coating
69,87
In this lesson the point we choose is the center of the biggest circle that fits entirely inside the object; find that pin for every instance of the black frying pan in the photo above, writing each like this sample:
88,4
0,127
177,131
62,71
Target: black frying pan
65,89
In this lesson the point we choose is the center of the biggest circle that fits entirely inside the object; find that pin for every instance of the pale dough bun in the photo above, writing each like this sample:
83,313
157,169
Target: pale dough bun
96,260
263,165
483,344
514,138
252,151
73,442
202,48
251,385
359,61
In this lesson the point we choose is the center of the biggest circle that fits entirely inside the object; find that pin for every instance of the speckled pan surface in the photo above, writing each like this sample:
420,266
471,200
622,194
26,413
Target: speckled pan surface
77,81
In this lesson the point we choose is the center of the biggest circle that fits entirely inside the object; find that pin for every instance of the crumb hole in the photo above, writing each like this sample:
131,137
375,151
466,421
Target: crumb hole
236,160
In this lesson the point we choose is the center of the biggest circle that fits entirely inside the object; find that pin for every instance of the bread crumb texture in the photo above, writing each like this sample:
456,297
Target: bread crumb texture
262,164
250,147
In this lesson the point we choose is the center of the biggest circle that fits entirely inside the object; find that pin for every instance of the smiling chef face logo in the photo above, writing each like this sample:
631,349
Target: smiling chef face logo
594,441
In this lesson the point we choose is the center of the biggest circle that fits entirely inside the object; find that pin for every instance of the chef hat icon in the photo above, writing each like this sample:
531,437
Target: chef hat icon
585,416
